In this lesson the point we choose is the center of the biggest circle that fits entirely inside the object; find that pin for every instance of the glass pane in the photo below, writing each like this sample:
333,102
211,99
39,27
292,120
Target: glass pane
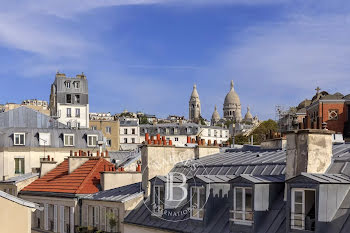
201,213
202,197
21,139
298,208
248,199
71,140
239,216
156,201
194,198
16,139
298,222
298,196
249,216
161,195
239,197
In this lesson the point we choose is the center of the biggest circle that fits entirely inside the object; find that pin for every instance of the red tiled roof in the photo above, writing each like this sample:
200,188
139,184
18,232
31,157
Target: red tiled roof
83,180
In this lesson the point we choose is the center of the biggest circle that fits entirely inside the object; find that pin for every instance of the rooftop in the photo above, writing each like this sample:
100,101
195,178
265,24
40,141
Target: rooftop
83,180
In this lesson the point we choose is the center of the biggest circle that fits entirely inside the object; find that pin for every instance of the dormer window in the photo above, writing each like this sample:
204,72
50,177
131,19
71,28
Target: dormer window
242,205
19,139
68,139
303,209
92,140
158,199
197,201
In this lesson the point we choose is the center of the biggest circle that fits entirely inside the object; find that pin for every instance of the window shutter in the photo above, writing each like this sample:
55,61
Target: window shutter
55,218
62,230
46,216
71,219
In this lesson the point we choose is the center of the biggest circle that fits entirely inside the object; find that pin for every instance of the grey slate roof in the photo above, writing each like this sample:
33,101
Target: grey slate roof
262,162
263,179
24,117
21,178
124,158
121,194
215,178
20,201
328,178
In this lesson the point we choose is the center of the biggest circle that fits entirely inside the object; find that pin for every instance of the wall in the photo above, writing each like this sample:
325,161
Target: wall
123,210
14,212
159,160
335,125
111,180
114,136
128,228
67,202
308,151
278,143
129,136
84,114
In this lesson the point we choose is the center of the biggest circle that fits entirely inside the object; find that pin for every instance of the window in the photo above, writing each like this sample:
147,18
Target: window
125,131
68,99
67,84
333,115
166,131
19,165
215,133
76,84
44,139
78,125
303,209
77,99
133,140
93,128
109,143
69,112
19,139
133,131
189,130
158,199
197,201
92,140
77,112
242,205
125,140
209,132
69,140
108,129
176,139
69,124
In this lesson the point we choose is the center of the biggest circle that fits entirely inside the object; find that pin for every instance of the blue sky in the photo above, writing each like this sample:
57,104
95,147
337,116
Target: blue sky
147,54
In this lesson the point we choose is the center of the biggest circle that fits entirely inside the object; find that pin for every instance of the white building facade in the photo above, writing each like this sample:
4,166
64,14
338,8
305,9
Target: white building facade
69,100
129,133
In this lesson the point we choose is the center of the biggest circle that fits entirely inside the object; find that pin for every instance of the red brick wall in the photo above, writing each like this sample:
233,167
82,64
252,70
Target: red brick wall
335,125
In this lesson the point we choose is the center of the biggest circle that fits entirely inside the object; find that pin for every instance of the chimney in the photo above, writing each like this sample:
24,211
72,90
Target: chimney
76,161
46,165
308,150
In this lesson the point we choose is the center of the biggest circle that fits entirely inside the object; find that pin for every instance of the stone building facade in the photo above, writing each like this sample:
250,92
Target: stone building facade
110,128
194,106
69,100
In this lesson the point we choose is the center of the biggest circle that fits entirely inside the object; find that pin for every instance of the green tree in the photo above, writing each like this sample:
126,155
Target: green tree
143,120
259,134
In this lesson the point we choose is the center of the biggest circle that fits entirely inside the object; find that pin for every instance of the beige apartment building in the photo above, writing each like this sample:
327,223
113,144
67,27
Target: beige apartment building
109,126
13,209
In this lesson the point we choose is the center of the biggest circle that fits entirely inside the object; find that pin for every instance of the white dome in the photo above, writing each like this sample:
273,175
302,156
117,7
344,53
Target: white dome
216,115
248,115
232,97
